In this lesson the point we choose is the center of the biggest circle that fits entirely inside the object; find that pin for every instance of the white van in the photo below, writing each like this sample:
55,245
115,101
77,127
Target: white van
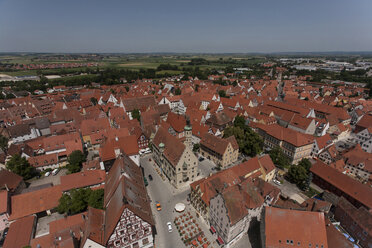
55,172
47,174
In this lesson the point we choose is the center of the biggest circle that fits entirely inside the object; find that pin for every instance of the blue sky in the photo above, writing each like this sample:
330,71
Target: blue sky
185,26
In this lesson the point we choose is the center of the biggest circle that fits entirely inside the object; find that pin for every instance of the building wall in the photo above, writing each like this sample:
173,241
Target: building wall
185,170
4,223
199,205
131,231
219,219
295,154
358,172
230,155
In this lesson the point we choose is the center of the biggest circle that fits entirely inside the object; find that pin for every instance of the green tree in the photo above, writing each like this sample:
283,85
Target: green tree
279,158
4,143
136,114
64,203
20,166
222,93
177,91
298,175
196,147
305,163
94,101
75,161
95,199
249,142
78,200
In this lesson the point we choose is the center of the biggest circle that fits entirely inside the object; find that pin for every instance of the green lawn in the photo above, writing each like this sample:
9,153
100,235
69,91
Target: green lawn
311,192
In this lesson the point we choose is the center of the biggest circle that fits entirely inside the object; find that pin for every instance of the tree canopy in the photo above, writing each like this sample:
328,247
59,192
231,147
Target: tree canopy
78,200
75,161
250,143
20,166
136,114
4,143
300,174
177,91
222,93
279,158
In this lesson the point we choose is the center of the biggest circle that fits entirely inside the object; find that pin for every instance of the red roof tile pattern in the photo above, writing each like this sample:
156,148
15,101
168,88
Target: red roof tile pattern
35,202
291,228
346,184
20,231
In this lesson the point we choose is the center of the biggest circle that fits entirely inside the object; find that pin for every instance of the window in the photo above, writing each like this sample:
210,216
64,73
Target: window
145,241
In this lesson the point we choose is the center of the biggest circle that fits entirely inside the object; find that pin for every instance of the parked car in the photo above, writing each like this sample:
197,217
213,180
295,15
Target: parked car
150,177
277,182
158,206
201,159
169,227
55,172
47,174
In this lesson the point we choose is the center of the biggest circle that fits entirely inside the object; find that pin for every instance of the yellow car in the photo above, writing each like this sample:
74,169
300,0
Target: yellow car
158,206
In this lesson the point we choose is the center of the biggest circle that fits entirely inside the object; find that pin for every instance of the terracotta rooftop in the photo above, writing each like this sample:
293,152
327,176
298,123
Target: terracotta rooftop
344,183
292,228
23,226
35,202
174,148
217,144
82,179
9,180
286,134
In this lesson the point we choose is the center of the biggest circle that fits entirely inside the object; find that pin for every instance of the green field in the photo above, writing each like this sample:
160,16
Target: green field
128,61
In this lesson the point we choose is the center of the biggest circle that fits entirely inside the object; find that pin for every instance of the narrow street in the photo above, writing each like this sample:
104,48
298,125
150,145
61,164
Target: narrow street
168,197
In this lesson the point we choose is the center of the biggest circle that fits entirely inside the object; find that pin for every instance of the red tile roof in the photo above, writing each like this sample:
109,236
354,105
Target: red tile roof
288,135
293,228
217,144
9,180
35,202
20,233
174,148
344,183
82,179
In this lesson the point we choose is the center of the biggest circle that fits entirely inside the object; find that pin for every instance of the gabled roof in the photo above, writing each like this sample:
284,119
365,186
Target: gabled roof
9,179
124,188
174,148
20,232
292,228
217,144
35,202
140,103
344,183
82,179
220,118
177,122
286,134
324,141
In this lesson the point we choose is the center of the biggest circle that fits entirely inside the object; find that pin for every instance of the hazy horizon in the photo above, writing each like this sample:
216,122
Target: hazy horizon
145,27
